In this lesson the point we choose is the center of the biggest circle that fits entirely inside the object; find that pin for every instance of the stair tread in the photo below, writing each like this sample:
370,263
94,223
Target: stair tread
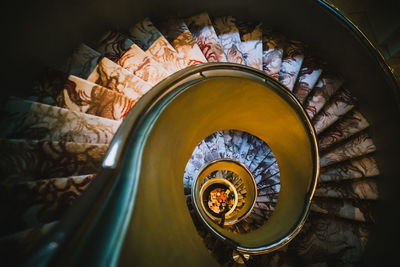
244,148
268,161
228,143
12,244
87,97
206,38
82,61
273,44
114,44
359,189
325,241
40,201
113,76
229,37
208,156
217,150
251,47
351,123
237,140
261,212
292,60
357,210
340,104
179,36
357,146
255,145
150,40
48,85
24,160
356,168
196,162
143,65
32,120
25,237
259,156
325,88
309,74
269,183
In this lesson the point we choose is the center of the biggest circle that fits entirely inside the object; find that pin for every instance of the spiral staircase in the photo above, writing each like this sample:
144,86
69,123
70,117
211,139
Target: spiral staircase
86,156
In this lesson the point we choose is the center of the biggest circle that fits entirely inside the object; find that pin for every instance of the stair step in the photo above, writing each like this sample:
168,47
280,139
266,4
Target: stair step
269,183
150,40
351,123
31,120
255,145
26,236
356,147
220,141
241,228
208,156
178,35
118,79
325,88
359,189
252,48
279,257
40,201
292,60
237,140
244,148
228,143
269,161
48,85
325,241
273,44
265,206
216,145
262,213
90,98
23,160
270,192
249,149
308,77
229,37
193,167
82,61
143,65
114,44
356,168
15,243
345,208
263,152
206,38
270,197
340,104
254,222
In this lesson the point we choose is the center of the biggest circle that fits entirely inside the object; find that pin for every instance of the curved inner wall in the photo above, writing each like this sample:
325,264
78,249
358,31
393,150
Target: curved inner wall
243,173
207,107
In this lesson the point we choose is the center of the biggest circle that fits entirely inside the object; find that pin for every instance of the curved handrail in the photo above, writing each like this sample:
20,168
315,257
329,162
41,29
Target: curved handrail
97,223
359,34
111,191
